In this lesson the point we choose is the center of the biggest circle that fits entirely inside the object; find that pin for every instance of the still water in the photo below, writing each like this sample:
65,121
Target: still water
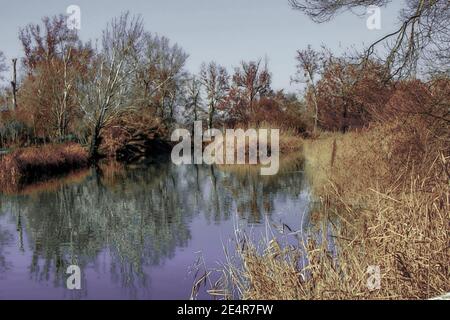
136,232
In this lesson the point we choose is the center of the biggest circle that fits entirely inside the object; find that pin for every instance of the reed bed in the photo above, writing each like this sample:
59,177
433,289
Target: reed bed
32,164
50,185
393,212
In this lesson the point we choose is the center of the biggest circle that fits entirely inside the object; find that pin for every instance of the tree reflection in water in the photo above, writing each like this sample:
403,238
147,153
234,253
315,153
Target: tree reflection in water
140,216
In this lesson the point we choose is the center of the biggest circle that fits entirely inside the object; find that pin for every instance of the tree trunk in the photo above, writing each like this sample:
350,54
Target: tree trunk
316,116
95,144
345,119
211,115
14,83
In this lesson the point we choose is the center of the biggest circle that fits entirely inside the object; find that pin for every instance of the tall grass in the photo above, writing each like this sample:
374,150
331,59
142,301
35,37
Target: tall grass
34,163
390,189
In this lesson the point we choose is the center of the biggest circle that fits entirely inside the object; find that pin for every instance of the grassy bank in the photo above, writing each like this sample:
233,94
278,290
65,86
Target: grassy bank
390,189
32,164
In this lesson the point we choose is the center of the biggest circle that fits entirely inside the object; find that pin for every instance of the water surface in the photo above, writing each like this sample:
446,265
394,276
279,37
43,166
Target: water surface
136,232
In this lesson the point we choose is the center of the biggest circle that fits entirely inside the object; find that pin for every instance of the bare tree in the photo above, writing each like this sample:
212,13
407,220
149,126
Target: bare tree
215,81
67,73
193,100
349,94
325,10
54,59
423,35
14,88
161,75
108,92
3,93
3,68
253,80
43,42
310,65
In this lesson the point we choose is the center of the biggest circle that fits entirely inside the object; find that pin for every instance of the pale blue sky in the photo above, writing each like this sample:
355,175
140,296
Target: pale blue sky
226,31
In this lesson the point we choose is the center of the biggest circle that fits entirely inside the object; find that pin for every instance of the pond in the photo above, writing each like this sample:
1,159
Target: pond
136,232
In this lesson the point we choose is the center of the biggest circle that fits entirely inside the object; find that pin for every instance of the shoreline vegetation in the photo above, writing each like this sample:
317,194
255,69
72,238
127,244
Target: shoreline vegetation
371,134
393,214
29,165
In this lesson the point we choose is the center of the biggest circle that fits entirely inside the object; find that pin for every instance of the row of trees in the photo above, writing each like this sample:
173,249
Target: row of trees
72,87
80,90
228,99
131,82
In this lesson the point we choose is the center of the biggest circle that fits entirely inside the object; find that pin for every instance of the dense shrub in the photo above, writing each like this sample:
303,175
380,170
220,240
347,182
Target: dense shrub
134,135
12,130
33,163
348,95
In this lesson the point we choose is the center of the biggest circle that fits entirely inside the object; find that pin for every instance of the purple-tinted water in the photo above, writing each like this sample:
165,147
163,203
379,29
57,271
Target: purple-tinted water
136,233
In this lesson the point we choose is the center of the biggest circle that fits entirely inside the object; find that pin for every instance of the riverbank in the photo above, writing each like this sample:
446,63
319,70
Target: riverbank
389,188
26,165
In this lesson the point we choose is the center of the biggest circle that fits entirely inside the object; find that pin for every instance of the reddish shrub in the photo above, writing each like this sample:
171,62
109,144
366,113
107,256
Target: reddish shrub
34,163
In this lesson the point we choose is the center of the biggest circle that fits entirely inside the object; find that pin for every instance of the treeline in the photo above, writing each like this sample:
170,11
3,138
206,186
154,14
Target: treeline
131,87
77,91
129,84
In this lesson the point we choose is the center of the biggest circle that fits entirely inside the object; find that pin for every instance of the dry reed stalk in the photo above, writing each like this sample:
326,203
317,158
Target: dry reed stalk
393,205
34,163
